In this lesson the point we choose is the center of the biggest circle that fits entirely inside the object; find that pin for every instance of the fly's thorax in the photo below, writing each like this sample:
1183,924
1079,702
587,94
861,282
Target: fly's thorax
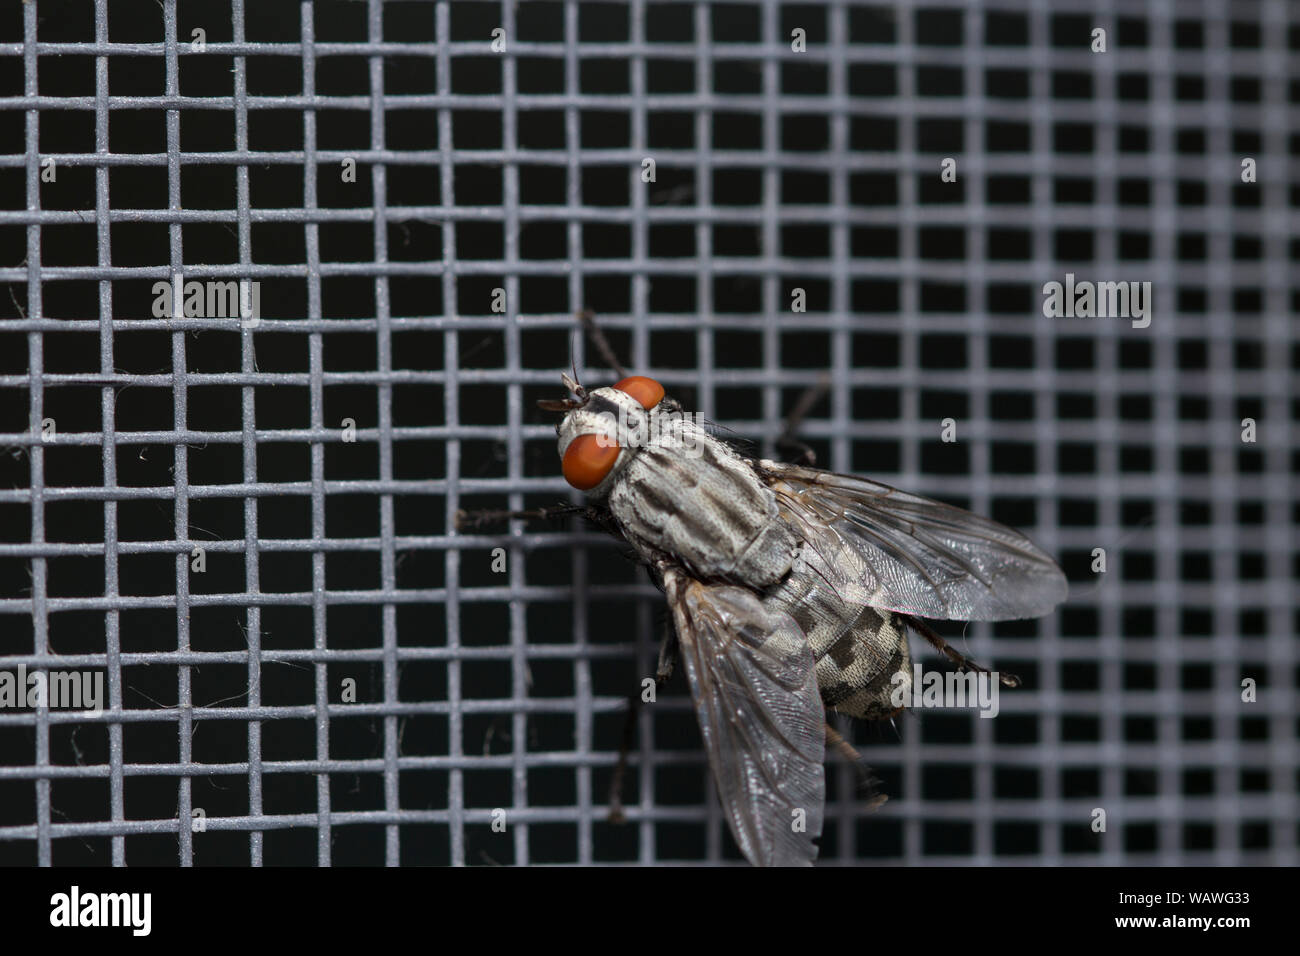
688,495
674,489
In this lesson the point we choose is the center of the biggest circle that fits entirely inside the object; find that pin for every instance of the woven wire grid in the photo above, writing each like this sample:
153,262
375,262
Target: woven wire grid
331,560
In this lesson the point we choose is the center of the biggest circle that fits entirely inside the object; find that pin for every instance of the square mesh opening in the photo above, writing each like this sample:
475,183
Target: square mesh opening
336,676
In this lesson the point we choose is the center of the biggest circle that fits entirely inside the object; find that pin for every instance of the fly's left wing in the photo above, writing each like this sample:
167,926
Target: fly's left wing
912,554
753,679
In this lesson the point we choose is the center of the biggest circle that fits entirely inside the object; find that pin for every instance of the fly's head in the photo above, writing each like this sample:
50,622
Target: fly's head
604,428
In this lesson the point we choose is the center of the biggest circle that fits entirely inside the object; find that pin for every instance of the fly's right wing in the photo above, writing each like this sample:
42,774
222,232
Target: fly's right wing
911,554
753,679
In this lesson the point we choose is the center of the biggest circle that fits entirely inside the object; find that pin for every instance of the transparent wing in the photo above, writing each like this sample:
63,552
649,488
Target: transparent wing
753,679
914,555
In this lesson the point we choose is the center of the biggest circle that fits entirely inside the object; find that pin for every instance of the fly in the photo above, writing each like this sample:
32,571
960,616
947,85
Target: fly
791,590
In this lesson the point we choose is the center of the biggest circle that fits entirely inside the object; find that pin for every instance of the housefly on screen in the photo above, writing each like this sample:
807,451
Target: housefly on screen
791,590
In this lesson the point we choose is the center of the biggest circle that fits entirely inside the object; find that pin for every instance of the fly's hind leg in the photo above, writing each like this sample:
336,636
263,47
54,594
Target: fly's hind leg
850,755
950,652
667,656
616,814
845,749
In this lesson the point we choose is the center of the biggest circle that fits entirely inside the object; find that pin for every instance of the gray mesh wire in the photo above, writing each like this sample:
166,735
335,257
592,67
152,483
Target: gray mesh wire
220,156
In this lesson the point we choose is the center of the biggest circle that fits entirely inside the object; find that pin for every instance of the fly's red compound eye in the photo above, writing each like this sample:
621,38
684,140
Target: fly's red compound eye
645,390
588,460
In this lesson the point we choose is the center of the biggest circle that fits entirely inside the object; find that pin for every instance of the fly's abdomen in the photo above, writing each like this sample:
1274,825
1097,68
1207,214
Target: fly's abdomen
856,675
858,648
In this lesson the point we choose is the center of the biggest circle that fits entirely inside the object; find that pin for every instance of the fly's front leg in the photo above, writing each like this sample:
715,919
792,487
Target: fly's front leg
470,520
588,320
799,452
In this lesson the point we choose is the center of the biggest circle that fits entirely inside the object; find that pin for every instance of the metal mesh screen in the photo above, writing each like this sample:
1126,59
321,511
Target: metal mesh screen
336,676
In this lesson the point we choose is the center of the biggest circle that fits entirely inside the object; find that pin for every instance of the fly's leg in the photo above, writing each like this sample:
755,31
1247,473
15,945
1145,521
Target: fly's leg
588,320
467,520
962,661
788,442
616,814
846,750
851,756
470,520
664,670
667,657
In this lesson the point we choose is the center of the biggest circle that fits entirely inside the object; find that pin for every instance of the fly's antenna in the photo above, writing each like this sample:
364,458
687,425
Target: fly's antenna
572,385
566,404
